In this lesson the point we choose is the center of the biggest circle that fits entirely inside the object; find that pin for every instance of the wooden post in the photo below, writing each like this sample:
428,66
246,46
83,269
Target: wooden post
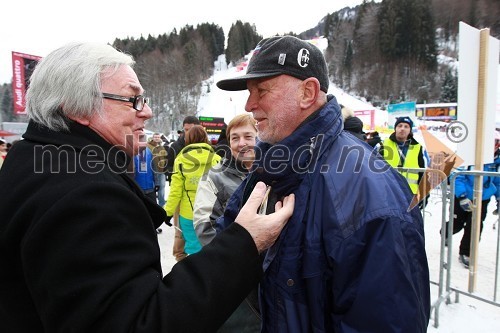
484,35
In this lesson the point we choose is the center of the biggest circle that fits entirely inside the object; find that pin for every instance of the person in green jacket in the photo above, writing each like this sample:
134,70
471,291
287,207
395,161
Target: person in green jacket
192,163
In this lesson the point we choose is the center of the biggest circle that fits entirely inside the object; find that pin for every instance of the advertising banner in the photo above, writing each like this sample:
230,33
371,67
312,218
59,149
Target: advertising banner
213,125
22,68
406,109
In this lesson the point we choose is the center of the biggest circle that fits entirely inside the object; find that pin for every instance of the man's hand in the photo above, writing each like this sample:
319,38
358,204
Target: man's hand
264,229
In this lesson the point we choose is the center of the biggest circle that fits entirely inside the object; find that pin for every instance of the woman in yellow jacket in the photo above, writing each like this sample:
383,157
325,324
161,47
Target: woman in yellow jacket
192,162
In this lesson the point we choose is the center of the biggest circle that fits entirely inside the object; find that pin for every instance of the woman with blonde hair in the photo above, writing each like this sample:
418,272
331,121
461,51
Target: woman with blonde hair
213,194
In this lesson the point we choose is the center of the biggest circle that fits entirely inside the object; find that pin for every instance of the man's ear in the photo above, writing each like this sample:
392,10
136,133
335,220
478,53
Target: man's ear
81,120
311,88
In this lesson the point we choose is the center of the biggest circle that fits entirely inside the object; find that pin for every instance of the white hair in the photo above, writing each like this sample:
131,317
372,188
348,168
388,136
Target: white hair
67,82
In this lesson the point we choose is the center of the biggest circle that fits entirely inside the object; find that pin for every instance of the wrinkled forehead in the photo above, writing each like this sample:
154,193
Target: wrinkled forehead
243,129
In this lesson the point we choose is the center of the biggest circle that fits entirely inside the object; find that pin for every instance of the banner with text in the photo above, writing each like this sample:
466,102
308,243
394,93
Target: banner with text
22,68
213,125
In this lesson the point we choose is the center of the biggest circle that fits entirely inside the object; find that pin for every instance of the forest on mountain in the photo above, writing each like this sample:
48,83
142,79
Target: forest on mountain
386,52
401,50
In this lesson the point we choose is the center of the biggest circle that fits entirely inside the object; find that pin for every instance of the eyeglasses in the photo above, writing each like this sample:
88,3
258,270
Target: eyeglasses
138,101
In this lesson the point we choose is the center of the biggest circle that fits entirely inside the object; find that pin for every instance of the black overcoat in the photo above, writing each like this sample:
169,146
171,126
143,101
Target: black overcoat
79,251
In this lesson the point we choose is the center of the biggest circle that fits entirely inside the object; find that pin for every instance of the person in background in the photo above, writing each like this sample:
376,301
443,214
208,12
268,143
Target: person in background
212,196
159,165
222,180
9,145
3,151
79,248
373,139
173,149
222,147
164,139
191,164
401,150
343,243
143,171
464,194
352,124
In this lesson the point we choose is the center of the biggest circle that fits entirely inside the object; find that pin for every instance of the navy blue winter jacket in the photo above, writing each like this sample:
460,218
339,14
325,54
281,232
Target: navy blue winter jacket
352,257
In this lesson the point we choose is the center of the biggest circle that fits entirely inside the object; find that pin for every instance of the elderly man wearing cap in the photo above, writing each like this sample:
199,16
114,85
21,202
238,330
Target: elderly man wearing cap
347,260
401,149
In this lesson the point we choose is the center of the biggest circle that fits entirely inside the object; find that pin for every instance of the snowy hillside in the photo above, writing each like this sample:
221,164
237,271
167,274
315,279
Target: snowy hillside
227,104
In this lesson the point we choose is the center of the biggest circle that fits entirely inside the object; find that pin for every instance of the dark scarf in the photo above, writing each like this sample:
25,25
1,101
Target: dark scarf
284,165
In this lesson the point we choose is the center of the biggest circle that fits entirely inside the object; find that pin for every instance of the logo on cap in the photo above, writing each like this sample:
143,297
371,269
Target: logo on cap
282,58
257,49
303,57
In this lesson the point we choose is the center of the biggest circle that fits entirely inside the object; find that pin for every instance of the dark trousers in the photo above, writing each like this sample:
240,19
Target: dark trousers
463,220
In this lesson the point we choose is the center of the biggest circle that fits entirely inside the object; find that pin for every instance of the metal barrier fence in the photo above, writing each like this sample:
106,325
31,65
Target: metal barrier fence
445,291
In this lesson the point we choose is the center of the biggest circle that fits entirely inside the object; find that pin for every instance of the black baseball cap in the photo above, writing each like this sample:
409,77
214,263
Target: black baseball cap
282,55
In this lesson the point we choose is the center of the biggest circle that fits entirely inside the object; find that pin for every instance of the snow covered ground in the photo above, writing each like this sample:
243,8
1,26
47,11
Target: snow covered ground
468,315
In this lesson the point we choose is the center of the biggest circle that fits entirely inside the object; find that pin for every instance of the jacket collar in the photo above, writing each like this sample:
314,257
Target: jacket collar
82,139
411,140
234,166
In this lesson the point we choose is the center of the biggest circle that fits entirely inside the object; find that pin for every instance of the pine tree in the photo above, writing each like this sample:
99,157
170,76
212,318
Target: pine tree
6,103
390,22
449,89
242,38
407,31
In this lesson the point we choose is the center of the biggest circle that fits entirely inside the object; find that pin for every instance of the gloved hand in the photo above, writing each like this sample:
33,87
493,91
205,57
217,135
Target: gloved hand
466,204
167,220
495,212
157,188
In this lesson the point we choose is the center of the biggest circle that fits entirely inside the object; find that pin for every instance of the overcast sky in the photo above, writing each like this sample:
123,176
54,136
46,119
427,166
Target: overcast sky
38,27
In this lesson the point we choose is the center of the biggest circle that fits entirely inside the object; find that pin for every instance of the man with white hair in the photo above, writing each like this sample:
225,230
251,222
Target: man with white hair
79,251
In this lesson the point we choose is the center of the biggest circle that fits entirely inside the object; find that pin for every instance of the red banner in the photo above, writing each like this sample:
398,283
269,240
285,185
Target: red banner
22,67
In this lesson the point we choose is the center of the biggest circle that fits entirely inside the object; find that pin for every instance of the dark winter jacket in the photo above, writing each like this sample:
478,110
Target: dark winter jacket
214,191
351,258
354,125
172,150
79,250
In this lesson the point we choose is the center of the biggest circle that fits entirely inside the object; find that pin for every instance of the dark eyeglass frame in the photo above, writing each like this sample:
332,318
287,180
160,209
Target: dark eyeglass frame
138,101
